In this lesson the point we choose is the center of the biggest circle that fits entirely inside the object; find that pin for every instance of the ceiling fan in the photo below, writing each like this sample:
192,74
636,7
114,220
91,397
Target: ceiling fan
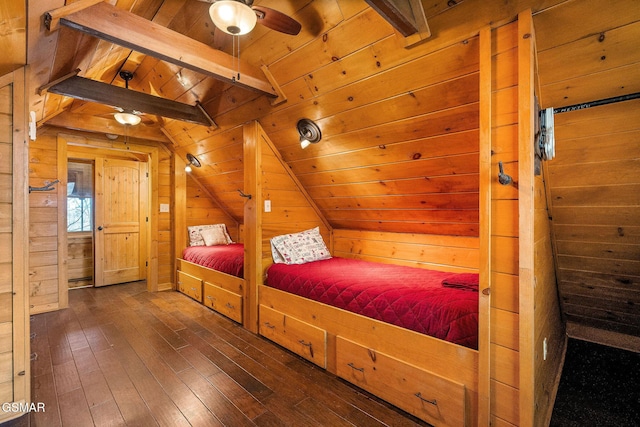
127,117
238,17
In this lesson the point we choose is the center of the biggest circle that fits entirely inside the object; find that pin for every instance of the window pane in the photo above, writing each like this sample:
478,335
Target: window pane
80,197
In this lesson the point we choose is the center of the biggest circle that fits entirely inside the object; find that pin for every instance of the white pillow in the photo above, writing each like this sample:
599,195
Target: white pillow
299,248
214,236
195,233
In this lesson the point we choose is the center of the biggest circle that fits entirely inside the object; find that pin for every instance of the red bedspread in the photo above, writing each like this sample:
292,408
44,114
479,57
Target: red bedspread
225,258
412,298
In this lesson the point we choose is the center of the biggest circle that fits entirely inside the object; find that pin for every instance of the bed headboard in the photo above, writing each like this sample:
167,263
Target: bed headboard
437,252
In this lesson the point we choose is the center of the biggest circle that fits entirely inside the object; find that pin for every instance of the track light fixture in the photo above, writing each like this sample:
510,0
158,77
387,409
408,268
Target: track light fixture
309,132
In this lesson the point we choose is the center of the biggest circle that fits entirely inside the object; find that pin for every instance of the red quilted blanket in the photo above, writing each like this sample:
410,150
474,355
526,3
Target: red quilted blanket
412,298
225,258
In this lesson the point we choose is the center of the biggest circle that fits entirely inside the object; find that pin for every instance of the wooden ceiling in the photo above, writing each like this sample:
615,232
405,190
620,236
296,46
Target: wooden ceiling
396,154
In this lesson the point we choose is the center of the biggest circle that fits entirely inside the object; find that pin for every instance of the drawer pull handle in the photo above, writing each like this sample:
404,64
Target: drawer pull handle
269,325
433,402
352,366
209,297
229,305
307,344
193,289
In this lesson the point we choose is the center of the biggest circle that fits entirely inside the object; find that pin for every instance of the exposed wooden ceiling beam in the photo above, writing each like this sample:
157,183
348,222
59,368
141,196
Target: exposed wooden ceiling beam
127,99
406,16
126,29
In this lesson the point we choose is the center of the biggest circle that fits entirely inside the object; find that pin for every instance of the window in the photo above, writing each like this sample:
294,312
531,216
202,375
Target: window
79,197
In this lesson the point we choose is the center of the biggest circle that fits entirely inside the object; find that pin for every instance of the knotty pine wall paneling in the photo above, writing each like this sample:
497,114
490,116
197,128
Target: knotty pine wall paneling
400,147
542,339
44,242
80,259
166,260
14,217
595,198
202,209
504,386
267,177
48,268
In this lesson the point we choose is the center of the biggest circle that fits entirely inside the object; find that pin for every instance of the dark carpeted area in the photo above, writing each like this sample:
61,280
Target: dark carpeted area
600,386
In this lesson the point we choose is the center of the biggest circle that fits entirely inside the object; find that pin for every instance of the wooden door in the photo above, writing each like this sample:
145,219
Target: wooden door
121,216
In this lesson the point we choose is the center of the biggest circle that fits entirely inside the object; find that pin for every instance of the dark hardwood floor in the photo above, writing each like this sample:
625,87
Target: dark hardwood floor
123,356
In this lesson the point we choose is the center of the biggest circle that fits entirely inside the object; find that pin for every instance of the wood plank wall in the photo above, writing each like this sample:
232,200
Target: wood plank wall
45,240
400,140
436,252
6,244
80,259
222,172
202,209
164,255
43,224
15,345
542,341
267,177
594,178
291,209
595,197
504,230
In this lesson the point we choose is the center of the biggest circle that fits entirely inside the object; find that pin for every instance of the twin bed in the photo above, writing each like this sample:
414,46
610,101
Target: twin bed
408,335
214,276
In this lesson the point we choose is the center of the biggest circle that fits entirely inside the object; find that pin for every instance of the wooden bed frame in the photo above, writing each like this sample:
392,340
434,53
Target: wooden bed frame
427,377
219,291
434,380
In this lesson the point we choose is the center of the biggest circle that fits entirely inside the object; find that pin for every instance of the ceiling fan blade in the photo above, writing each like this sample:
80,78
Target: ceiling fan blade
276,20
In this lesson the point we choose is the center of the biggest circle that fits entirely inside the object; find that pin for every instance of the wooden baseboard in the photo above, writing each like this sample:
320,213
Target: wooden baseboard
600,336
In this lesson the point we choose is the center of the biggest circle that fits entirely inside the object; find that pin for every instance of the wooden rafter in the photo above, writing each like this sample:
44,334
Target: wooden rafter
126,29
127,99
406,16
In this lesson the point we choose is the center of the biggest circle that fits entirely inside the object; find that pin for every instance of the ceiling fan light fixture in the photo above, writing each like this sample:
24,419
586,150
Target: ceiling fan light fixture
233,17
125,118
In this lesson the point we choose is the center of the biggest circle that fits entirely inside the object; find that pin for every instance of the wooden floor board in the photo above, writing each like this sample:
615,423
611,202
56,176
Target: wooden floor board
123,356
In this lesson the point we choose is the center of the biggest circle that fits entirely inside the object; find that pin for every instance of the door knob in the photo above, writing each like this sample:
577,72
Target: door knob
99,228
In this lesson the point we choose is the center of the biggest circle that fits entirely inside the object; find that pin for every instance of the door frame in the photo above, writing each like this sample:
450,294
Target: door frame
90,147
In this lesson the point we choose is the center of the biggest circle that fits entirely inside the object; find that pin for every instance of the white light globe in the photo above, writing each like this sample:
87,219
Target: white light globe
233,17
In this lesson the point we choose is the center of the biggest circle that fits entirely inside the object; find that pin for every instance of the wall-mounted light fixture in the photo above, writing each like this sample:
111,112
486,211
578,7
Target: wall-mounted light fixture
193,161
309,132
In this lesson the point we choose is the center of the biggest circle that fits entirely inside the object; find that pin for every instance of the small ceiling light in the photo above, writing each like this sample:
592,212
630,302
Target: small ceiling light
126,118
193,161
233,17
309,132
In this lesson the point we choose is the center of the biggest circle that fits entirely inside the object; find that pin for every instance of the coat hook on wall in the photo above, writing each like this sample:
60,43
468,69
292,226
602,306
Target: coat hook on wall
248,196
503,178
48,187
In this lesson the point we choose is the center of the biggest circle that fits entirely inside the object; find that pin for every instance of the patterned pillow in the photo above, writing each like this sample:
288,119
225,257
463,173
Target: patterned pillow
195,236
299,248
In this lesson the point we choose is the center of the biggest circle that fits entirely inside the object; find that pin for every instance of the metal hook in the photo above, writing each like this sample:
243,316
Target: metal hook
248,196
47,187
503,178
